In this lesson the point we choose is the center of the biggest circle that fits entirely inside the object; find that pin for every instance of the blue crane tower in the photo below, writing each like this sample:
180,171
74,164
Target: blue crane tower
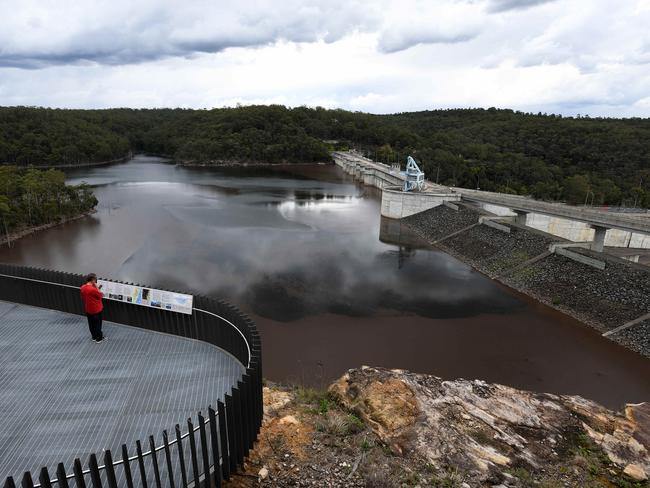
414,176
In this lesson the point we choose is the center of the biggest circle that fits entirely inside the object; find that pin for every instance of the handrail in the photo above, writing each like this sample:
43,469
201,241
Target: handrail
134,458
248,347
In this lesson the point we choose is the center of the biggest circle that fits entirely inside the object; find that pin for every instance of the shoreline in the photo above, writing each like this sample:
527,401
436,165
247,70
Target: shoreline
83,165
232,164
24,232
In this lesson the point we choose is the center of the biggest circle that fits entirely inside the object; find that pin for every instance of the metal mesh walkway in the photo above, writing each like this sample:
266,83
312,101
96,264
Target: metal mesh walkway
63,396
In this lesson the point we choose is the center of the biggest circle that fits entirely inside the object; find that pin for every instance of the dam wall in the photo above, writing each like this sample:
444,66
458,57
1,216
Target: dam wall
606,297
395,203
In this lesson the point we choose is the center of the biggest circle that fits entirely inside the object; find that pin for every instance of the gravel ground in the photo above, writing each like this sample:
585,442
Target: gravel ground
495,252
441,221
636,338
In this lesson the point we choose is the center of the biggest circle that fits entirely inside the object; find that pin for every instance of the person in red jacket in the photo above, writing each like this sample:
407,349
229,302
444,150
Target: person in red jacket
91,296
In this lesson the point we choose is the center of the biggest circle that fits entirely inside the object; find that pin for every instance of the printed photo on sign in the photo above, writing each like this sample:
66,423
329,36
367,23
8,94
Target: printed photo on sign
148,297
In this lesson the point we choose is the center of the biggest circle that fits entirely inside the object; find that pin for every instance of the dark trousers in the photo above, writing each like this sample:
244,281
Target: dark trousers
95,325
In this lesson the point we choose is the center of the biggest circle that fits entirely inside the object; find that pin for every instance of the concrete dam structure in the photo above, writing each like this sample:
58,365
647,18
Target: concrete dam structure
577,224
588,270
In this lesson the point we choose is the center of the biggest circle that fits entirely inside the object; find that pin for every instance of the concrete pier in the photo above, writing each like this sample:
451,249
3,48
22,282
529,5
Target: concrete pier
599,238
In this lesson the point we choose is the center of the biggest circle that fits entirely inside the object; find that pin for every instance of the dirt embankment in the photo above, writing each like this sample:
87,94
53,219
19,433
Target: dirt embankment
381,428
604,299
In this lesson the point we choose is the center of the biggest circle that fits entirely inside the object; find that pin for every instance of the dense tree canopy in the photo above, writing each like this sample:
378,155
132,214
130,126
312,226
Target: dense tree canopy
604,161
32,197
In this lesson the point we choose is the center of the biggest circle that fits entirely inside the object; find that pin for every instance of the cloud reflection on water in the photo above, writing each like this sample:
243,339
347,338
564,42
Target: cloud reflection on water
284,246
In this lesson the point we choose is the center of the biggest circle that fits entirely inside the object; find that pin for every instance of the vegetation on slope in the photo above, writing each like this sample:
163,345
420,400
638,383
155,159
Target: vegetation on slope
600,161
33,197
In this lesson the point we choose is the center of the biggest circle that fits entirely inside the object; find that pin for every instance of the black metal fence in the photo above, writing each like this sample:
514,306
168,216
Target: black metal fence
214,445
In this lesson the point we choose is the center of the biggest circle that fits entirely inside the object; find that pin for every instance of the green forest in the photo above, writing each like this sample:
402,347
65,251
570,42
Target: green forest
574,159
30,197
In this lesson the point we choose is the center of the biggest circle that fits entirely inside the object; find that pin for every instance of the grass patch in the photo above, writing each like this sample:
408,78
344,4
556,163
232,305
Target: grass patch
598,465
339,424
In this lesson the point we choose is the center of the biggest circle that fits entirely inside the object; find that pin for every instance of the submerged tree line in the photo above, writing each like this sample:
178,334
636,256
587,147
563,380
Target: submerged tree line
579,160
31,197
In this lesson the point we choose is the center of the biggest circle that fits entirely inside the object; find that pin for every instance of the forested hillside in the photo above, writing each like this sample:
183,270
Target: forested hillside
33,197
604,161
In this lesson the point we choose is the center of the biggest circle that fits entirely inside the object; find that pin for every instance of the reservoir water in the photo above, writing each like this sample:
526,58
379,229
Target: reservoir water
302,249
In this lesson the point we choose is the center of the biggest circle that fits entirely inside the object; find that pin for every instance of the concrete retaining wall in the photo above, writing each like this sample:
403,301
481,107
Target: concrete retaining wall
396,204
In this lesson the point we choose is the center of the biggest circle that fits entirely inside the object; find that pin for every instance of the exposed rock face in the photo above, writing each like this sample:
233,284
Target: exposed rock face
484,430
390,407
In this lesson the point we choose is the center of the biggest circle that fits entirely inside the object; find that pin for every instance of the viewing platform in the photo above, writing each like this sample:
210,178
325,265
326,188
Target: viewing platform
172,397
63,396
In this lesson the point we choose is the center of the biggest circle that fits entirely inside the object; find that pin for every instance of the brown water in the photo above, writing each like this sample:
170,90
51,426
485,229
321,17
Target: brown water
331,286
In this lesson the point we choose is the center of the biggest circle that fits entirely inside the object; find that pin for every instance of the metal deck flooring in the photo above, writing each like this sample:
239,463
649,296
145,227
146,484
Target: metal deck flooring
63,396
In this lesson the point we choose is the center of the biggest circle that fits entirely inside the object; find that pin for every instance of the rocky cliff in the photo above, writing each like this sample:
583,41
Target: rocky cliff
391,428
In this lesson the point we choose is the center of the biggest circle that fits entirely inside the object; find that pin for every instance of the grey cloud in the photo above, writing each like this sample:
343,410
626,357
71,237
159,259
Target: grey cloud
395,42
149,34
505,5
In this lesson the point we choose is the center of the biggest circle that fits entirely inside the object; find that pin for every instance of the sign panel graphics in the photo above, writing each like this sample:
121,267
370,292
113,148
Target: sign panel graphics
148,297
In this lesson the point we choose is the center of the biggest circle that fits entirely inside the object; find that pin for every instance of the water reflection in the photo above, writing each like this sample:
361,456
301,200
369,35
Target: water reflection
285,246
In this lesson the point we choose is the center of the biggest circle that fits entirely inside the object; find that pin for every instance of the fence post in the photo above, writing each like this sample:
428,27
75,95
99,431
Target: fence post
127,466
143,472
195,462
94,472
168,458
216,461
154,461
181,456
232,438
110,469
204,450
62,478
27,480
44,478
223,437
239,428
79,479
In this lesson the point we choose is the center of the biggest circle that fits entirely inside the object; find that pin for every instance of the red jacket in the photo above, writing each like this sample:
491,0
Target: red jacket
92,299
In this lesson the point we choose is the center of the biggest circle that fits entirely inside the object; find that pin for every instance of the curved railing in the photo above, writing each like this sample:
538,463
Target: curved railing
207,452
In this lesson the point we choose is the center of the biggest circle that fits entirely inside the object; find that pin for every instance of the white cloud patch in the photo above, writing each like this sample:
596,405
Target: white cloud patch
414,22
568,56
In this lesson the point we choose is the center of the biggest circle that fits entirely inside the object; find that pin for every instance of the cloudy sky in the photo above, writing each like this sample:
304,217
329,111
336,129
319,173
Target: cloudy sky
561,56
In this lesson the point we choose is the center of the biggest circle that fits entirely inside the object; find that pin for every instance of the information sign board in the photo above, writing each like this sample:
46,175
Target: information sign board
148,297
